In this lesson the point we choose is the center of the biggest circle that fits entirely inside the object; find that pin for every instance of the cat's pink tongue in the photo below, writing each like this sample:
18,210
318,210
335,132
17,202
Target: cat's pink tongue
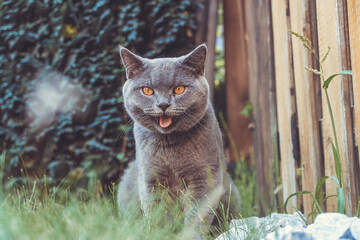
165,121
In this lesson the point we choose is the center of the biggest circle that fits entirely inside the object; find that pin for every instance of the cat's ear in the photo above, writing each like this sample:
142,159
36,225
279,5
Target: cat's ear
133,63
195,61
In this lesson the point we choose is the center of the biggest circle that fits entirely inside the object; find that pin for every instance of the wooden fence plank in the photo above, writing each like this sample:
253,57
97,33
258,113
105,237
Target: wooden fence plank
354,34
237,75
210,41
262,93
332,32
206,21
285,100
305,85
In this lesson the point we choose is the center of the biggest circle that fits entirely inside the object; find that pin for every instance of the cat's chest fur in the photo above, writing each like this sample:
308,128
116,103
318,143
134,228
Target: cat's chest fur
178,159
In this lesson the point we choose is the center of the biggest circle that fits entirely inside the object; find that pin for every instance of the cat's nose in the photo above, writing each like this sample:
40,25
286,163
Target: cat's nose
163,106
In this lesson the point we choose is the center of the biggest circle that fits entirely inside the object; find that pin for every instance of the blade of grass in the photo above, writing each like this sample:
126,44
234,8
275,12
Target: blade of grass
326,198
302,217
358,208
329,79
341,200
2,168
337,164
336,153
319,186
302,193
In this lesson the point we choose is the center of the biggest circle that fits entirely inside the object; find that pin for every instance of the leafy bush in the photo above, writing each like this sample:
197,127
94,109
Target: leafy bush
53,40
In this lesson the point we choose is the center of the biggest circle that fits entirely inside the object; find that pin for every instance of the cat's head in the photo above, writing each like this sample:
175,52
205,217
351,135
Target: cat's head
166,94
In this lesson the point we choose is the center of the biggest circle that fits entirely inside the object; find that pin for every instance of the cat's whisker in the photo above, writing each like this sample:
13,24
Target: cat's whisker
121,134
191,115
188,117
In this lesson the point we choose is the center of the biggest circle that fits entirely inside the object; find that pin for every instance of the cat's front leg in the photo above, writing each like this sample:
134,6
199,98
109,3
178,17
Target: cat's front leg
145,194
200,207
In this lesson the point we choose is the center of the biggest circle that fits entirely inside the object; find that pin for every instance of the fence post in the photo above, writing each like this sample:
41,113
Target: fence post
207,18
262,94
353,9
306,97
285,99
237,75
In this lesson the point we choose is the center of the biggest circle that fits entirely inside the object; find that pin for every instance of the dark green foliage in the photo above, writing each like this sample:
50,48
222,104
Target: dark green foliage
79,38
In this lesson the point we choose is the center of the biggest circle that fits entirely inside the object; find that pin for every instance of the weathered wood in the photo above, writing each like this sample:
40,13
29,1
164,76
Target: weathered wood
236,74
305,84
353,8
285,99
201,26
262,93
206,18
212,21
332,30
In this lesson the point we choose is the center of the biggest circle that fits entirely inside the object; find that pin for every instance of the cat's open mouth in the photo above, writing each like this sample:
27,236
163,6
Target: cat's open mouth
165,121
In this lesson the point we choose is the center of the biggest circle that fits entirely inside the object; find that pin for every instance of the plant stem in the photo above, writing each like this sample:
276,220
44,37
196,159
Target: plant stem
334,132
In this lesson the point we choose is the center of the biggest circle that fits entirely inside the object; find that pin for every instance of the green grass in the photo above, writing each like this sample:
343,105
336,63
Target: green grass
31,215
36,211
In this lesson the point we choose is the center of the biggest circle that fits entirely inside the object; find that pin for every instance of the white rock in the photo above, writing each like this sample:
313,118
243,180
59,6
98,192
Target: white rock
327,226
240,228
277,220
330,226
289,233
355,228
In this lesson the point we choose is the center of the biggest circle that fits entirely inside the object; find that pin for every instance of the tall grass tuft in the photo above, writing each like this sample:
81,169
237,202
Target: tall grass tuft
319,197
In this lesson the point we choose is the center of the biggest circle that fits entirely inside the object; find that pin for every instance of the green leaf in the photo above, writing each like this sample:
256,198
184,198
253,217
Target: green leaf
121,157
247,110
327,81
337,164
302,217
319,187
292,195
341,200
302,193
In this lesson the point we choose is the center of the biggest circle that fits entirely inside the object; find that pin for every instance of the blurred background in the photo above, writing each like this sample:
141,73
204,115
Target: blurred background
62,120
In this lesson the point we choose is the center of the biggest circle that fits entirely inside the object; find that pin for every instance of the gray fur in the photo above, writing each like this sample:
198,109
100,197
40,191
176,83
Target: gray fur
188,155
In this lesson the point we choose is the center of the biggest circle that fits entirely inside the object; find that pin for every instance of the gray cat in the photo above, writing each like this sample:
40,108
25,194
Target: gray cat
178,140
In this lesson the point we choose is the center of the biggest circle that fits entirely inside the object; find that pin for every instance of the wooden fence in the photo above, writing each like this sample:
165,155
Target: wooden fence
293,133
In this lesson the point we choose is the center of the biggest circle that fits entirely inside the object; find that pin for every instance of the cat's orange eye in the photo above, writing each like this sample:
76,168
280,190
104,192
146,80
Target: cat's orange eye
179,90
148,91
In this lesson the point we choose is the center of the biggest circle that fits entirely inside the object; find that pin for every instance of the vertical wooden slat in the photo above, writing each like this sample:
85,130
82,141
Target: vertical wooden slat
332,32
353,8
285,99
206,21
210,41
262,93
354,32
201,17
305,85
237,75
